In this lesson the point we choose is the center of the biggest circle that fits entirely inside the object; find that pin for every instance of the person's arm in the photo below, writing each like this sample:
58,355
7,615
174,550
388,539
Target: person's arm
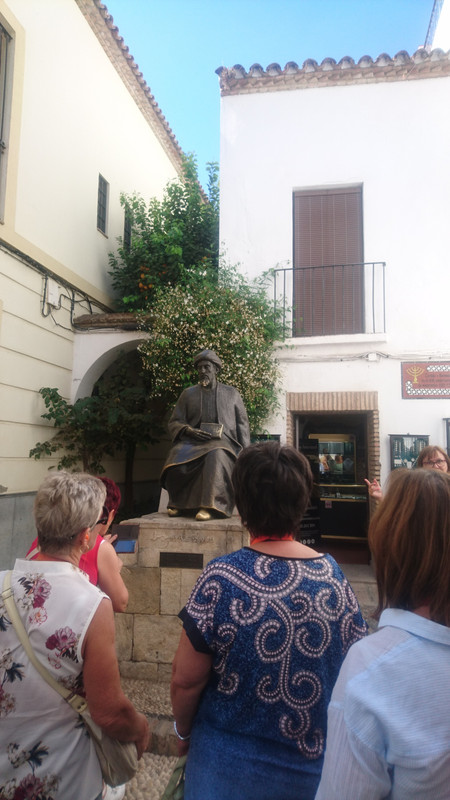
351,771
109,537
190,673
109,707
110,580
374,489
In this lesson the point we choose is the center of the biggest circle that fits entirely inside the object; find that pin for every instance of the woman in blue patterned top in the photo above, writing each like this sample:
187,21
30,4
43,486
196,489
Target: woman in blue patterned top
266,629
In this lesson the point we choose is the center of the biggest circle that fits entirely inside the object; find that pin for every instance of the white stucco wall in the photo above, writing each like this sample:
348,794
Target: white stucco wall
392,138
77,120
94,351
442,33
72,118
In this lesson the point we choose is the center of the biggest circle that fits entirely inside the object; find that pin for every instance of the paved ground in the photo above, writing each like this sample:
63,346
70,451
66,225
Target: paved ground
152,778
154,700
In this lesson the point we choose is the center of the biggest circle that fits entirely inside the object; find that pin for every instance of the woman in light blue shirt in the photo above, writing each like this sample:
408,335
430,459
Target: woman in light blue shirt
389,715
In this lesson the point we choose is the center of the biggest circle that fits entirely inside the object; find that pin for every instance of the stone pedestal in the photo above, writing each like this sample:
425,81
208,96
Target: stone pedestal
171,554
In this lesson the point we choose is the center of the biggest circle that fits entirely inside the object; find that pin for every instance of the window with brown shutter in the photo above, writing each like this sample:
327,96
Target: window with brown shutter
328,262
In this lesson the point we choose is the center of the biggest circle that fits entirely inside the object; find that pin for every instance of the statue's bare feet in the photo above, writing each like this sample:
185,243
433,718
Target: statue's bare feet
202,515
173,512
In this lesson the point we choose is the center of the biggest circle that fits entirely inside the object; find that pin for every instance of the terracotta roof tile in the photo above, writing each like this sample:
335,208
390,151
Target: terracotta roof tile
256,71
422,64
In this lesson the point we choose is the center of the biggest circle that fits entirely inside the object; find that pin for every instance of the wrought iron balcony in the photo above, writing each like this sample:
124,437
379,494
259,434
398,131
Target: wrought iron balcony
333,299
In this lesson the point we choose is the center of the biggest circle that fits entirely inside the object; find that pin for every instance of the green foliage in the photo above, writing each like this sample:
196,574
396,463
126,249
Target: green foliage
171,269
80,435
167,236
117,417
226,313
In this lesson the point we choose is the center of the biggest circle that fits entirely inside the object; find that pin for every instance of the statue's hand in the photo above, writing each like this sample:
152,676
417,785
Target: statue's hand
196,433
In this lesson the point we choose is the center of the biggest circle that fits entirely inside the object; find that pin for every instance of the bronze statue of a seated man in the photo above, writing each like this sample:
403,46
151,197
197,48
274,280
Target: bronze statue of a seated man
208,427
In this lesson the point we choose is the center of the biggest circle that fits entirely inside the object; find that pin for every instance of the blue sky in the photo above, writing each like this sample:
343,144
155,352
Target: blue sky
178,45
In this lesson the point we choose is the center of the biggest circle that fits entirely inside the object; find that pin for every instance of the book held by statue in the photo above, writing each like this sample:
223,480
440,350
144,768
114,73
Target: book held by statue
214,428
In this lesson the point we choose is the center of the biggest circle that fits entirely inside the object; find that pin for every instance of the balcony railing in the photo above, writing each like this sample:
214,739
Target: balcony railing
332,300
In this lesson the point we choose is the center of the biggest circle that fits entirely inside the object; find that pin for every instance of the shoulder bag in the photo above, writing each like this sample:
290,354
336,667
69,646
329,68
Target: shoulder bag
118,760
175,787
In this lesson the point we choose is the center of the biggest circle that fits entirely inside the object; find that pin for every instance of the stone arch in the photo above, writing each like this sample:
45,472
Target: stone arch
94,352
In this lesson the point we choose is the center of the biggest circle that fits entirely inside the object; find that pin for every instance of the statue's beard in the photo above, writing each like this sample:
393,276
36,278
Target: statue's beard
205,382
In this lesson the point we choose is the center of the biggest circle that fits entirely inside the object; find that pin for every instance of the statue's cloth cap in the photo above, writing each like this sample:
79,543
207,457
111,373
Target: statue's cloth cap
208,355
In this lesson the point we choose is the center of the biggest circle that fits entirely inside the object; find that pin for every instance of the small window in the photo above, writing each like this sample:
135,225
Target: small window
127,230
102,203
5,107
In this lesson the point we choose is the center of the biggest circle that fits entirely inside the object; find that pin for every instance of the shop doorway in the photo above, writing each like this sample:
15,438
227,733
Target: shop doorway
340,523
340,448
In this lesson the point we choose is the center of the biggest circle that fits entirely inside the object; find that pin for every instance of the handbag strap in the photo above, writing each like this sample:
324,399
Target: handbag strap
77,702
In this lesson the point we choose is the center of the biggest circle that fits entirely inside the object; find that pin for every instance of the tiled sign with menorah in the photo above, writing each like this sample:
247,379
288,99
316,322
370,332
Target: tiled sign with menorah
425,380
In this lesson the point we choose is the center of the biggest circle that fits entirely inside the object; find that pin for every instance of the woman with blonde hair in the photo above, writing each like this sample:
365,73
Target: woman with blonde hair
45,750
389,716
101,563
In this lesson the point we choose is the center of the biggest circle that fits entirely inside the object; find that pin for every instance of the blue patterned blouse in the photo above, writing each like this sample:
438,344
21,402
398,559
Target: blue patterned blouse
278,630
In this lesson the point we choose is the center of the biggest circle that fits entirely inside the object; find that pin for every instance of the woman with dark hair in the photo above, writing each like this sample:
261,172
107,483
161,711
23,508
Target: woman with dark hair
265,631
389,716
433,457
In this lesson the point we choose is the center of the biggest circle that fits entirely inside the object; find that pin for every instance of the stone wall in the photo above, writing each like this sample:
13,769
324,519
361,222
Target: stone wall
171,554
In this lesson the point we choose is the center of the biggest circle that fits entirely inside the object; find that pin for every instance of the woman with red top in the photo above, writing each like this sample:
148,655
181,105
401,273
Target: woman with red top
102,564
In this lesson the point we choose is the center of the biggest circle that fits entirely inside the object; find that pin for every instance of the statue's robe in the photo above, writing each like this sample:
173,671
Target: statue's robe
198,474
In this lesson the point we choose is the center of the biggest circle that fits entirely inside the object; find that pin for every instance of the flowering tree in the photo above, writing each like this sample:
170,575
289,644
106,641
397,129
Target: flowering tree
179,232
224,312
170,271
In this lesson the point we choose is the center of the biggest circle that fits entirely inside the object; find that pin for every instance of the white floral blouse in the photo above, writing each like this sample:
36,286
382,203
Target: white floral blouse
45,752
